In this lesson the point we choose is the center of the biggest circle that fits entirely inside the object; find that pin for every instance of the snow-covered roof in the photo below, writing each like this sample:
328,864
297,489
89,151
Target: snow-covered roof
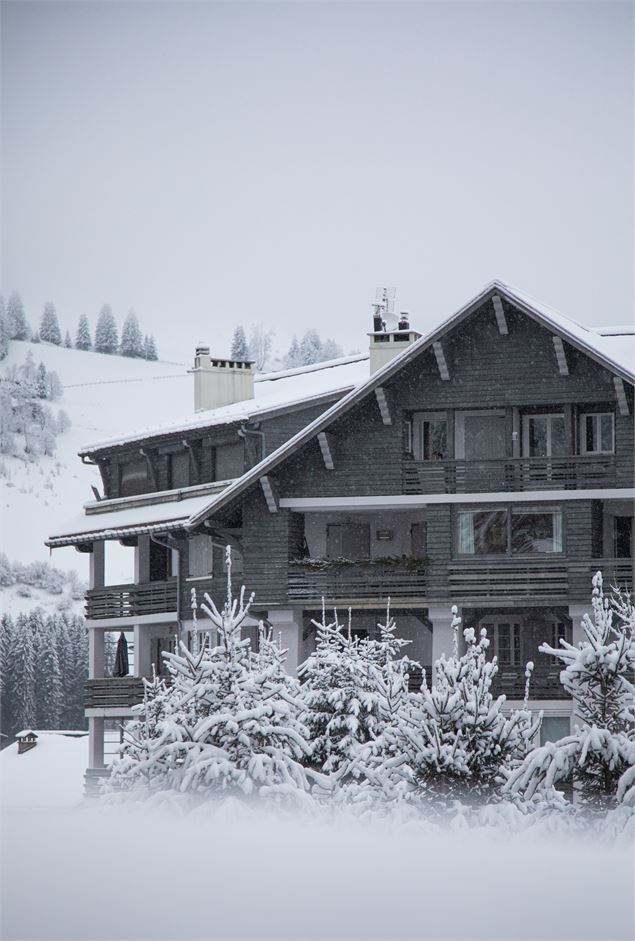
273,392
119,523
612,352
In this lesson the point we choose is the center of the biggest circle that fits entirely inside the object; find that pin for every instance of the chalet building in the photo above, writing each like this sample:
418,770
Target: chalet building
487,464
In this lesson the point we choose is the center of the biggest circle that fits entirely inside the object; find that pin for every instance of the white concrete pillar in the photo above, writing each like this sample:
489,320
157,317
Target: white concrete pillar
442,633
576,613
142,651
96,639
95,742
97,566
287,631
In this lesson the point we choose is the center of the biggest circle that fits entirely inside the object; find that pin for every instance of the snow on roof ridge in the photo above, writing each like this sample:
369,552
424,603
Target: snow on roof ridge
311,367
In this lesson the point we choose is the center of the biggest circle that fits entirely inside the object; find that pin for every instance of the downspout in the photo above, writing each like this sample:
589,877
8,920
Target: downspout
243,432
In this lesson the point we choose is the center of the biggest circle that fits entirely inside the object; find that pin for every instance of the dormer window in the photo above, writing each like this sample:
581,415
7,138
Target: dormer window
597,433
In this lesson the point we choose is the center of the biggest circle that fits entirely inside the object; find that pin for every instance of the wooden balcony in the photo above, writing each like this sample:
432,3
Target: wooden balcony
510,474
354,584
128,601
113,692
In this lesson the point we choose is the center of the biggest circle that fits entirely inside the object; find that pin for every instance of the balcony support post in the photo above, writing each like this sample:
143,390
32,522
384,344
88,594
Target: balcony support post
576,613
287,631
96,639
95,742
442,634
142,654
97,566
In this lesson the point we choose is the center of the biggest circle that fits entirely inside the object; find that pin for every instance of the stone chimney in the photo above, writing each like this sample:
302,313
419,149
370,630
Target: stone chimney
219,382
386,344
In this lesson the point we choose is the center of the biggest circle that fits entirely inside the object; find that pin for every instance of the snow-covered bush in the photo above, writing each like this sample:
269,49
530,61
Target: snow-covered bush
226,724
599,756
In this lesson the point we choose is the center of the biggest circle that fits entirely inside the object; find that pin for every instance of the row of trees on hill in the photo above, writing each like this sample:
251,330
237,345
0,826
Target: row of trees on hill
258,348
28,426
232,721
43,668
133,343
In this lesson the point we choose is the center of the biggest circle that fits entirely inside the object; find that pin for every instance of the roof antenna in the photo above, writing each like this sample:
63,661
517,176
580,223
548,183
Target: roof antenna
383,308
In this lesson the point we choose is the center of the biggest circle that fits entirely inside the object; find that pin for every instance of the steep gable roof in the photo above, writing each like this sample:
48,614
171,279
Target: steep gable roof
618,358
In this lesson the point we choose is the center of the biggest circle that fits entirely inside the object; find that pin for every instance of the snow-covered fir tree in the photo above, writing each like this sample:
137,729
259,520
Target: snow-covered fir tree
598,758
83,339
310,348
149,348
4,330
227,724
331,349
68,343
292,357
240,347
49,325
22,677
7,644
131,337
18,325
48,682
340,702
452,741
106,339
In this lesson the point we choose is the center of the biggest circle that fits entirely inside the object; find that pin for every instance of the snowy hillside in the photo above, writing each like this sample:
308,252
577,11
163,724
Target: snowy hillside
103,396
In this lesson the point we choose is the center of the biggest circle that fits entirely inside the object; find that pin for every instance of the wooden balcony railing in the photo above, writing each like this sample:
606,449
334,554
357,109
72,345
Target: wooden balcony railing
544,683
495,580
352,583
125,601
510,474
113,692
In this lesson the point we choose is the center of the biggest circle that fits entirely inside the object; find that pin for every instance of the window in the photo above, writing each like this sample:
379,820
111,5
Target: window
512,531
348,541
430,436
623,537
543,435
536,530
229,461
482,532
559,630
178,470
201,558
480,434
597,433
554,728
133,478
160,562
505,638
418,540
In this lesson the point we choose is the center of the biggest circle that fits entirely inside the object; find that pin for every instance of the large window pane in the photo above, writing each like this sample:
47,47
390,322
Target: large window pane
435,440
606,432
538,436
536,531
557,436
482,532
554,728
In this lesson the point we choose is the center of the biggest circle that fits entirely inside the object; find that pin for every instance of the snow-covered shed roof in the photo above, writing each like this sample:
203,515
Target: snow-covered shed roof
615,352
273,392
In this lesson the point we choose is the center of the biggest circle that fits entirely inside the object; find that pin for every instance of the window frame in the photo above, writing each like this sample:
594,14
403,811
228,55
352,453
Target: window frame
417,421
508,554
516,628
527,418
597,416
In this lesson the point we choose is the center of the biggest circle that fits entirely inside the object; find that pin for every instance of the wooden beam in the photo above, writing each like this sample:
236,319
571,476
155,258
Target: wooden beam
444,372
270,496
384,408
500,315
326,442
620,392
561,356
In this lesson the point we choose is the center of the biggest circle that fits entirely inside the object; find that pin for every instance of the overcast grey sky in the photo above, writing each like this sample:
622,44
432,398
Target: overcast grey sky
215,163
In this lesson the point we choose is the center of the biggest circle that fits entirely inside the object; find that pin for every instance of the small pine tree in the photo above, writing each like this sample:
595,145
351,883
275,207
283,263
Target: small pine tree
68,343
239,347
599,756
4,330
40,381
106,339
149,349
18,325
131,338
49,325
82,337
310,348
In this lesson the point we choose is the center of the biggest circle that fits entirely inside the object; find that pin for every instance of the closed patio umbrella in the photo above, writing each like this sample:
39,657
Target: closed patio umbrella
121,657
